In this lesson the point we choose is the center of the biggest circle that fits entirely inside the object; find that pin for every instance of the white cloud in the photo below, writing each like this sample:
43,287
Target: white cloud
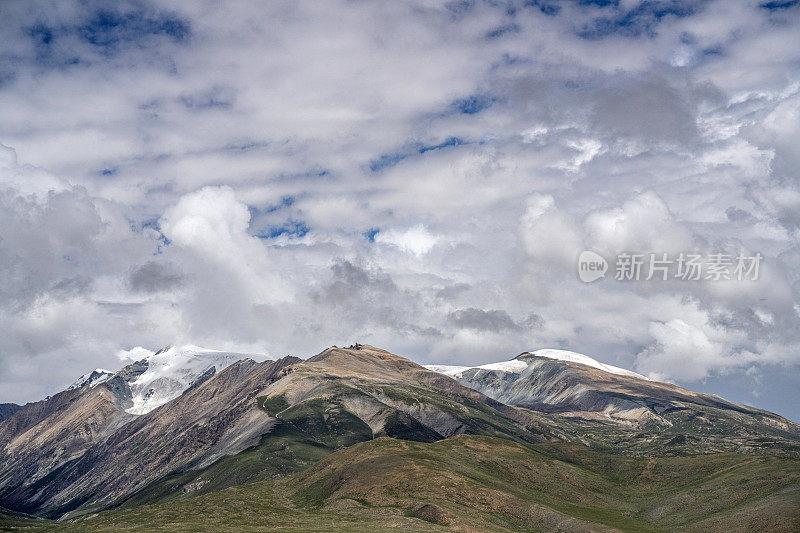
643,224
548,234
211,221
681,351
221,188
136,353
416,239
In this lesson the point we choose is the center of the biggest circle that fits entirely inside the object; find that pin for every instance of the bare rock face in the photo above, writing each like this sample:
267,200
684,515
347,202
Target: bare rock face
41,439
396,397
8,409
44,436
82,450
218,417
601,404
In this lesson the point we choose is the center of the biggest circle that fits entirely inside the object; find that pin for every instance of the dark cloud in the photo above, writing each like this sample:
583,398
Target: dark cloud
452,292
533,321
351,282
645,110
46,245
154,277
362,296
482,320
736,214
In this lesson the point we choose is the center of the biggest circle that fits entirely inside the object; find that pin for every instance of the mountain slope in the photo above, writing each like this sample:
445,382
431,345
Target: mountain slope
172,370
93,378
394,397
338,398
218,417
518,364
600,404
8,409
40,440
44,436
335,399
82,451
478,483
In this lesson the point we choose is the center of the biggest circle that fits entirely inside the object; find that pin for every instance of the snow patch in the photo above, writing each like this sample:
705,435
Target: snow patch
448,370
575,357
93,378
514,366
171,371
518,366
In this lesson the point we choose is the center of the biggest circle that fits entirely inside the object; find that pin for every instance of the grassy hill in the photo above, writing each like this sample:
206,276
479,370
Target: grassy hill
489,484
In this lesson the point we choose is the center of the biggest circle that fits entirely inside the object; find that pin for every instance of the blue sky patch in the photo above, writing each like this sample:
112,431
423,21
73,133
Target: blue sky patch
385,161
370,234
548,7
473,104
502,30
107,28
290,229
390,160
451,141
286,201
779,4
641,20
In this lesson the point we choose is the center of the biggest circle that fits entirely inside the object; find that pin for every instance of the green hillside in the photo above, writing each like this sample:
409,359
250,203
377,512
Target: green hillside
489,484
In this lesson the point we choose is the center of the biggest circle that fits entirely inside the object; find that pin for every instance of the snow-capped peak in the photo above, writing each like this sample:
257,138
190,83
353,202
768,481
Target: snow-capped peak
518,365
172,370
95,377
515,366
575,357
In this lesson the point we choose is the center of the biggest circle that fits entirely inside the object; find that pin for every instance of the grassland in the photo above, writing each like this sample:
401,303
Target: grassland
487,484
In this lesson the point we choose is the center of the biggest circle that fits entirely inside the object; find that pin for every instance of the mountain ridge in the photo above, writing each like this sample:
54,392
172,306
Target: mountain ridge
593,404
259,420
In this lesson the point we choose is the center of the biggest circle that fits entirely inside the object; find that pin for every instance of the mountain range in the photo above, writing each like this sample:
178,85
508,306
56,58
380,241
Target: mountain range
549,440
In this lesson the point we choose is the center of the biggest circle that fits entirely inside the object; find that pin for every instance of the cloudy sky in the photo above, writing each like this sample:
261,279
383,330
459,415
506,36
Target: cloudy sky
418,175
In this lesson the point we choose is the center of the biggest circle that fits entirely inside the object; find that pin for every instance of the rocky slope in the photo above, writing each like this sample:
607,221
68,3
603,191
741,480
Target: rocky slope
172,370
43,436
219,417
8,409
596,402
477,483
93,378
341,397
40,440
335,399
394,396
87,449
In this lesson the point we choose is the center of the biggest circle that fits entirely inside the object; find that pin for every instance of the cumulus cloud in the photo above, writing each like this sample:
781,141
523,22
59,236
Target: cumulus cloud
549,234
257,179
154,277
642,224
482,320
680,351
136,353
211,221
416,240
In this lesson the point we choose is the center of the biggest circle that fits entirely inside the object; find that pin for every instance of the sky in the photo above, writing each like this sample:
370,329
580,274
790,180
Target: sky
418,175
